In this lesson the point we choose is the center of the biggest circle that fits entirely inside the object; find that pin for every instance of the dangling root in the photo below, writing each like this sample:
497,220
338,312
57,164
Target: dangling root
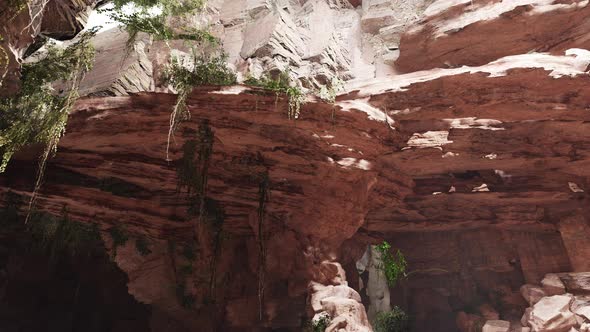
179,113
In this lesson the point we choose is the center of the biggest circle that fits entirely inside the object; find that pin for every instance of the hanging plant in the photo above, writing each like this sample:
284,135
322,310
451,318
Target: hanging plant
393,266
184,74
38,113
282,84
263,197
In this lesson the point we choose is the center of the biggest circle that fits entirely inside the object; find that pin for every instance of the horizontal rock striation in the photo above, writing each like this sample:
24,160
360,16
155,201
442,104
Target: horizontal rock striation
473,33
473,163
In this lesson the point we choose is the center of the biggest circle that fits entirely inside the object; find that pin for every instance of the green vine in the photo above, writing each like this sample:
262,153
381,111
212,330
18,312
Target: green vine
184,75
329,92
263,197
216,218
155,25
169,7
181,74
393,266
38,114
395,320
60,236
193,171
4,61
282,84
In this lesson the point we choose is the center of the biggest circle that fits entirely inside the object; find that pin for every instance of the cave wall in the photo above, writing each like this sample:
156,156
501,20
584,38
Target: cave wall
45,290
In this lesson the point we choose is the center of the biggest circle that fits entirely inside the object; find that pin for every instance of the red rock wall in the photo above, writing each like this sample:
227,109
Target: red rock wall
518,31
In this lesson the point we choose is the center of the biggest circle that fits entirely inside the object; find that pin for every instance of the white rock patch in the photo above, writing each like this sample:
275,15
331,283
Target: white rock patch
573,63
490,12
474,123
429,139
482,188
575,188
353,162
230,90
440,6
363,105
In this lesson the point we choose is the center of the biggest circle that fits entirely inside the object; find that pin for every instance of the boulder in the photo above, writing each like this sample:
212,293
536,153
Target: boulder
552,285
531,293
584,312
331,273
576,283
552,314
496,326
320,292
349,315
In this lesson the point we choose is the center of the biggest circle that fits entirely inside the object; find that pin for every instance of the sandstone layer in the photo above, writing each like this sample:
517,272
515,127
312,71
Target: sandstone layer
469,153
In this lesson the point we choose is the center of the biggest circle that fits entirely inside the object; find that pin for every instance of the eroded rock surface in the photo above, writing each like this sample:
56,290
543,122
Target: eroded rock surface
473,163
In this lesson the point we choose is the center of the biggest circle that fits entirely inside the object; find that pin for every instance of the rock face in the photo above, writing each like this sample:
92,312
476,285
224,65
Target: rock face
469,155
120,69
318,41
473,33
294,251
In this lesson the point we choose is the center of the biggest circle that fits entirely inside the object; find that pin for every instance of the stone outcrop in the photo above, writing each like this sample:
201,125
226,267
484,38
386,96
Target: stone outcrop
563,312
532,294
318,41
120,69
295,250
27,24
375,283
334,299
64,19
552,314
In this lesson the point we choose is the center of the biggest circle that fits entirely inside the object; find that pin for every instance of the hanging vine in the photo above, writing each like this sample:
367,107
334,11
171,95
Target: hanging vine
216,220
392,266
4,62
61,236
282,84
38,114
329,92
183,75
143,20
193,171
263,197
